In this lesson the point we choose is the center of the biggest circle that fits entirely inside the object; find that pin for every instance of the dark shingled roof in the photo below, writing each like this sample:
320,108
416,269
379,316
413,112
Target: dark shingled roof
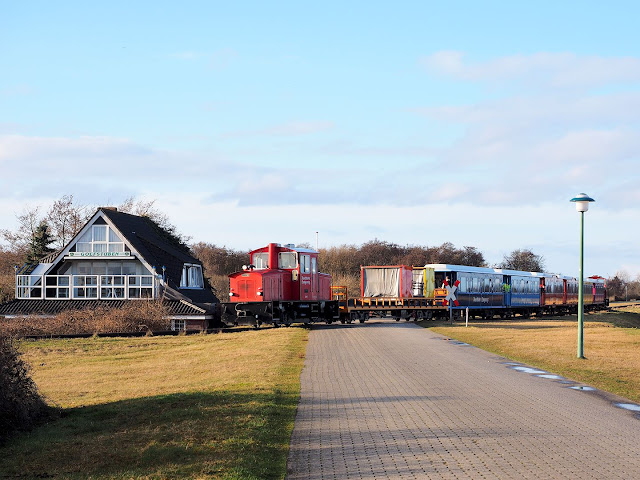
159,249
53,307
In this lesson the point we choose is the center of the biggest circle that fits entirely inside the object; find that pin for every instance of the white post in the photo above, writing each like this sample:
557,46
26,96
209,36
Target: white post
316,241
467,321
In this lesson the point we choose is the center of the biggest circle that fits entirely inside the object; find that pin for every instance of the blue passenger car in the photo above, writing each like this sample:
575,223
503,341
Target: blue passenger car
478,288
522,289
492,291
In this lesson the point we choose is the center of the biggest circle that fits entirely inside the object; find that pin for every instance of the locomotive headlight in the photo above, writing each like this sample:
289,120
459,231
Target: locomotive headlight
260,294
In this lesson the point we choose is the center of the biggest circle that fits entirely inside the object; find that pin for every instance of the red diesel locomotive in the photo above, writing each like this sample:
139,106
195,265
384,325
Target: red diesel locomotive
281,285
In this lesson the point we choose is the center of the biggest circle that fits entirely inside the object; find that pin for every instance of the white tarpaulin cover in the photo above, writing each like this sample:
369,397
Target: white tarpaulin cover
387,281
423,282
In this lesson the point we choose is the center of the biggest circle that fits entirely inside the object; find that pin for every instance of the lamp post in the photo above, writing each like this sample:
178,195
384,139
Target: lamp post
582,201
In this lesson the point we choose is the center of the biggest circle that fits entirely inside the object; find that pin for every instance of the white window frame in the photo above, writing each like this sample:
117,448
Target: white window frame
186,281
105,245
178,325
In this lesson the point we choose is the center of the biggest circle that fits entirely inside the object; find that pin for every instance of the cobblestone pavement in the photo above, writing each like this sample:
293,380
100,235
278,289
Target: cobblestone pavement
393,400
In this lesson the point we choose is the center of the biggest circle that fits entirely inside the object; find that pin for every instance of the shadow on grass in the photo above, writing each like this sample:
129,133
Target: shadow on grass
204,435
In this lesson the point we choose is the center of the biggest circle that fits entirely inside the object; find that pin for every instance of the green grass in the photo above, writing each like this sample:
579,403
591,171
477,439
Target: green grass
205,406
611,347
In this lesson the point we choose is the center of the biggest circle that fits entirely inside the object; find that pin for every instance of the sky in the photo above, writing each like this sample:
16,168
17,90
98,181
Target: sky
412,122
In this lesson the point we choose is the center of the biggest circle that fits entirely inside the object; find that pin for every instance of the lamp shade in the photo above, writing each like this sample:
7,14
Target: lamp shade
582,201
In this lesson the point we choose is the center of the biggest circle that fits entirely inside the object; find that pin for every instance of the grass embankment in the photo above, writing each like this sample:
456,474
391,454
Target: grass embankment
202,406
611,346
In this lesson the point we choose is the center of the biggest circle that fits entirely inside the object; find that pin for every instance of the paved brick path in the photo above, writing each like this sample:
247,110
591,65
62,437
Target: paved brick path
393,400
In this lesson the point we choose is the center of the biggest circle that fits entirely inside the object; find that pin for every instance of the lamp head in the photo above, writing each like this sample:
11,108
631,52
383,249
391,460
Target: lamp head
582,201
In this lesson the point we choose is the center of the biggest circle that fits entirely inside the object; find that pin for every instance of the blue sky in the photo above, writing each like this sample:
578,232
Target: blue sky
411,122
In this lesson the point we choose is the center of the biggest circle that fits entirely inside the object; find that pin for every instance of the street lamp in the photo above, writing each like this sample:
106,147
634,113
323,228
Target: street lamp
582,201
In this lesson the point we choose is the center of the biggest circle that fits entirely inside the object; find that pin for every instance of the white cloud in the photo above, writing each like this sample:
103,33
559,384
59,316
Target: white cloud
561,70
536,144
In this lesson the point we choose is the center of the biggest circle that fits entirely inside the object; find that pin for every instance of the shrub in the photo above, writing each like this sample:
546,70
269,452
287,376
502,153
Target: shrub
21,406
139,316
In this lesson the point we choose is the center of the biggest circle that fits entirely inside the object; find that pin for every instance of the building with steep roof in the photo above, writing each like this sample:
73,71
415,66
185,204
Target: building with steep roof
117,257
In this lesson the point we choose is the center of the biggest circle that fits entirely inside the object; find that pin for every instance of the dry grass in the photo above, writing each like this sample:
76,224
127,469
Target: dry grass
140,316
612,353
203,406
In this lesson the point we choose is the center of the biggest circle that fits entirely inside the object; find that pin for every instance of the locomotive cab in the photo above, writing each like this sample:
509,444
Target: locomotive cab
280,273
281,285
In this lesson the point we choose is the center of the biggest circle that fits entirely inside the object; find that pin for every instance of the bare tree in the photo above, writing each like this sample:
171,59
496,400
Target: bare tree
65,220
523,260
28,222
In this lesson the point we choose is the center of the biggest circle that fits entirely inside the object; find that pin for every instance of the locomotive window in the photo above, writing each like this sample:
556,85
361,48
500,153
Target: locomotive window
314,265
261,260
305,264
463,284
287,260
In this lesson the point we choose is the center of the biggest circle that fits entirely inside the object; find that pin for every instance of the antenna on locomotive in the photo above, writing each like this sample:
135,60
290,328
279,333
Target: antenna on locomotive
316,241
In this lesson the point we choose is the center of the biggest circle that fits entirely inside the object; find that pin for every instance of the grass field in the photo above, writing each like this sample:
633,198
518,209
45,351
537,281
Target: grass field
223,406
202,406
611,346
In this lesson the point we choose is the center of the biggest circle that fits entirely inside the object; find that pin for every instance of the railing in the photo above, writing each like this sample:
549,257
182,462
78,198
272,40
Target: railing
85,287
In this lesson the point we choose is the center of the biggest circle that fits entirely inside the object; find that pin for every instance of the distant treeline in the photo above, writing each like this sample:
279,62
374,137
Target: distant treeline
38,233
342,262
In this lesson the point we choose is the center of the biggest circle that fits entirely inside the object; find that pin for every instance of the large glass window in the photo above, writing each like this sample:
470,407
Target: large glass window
100,238
287,260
